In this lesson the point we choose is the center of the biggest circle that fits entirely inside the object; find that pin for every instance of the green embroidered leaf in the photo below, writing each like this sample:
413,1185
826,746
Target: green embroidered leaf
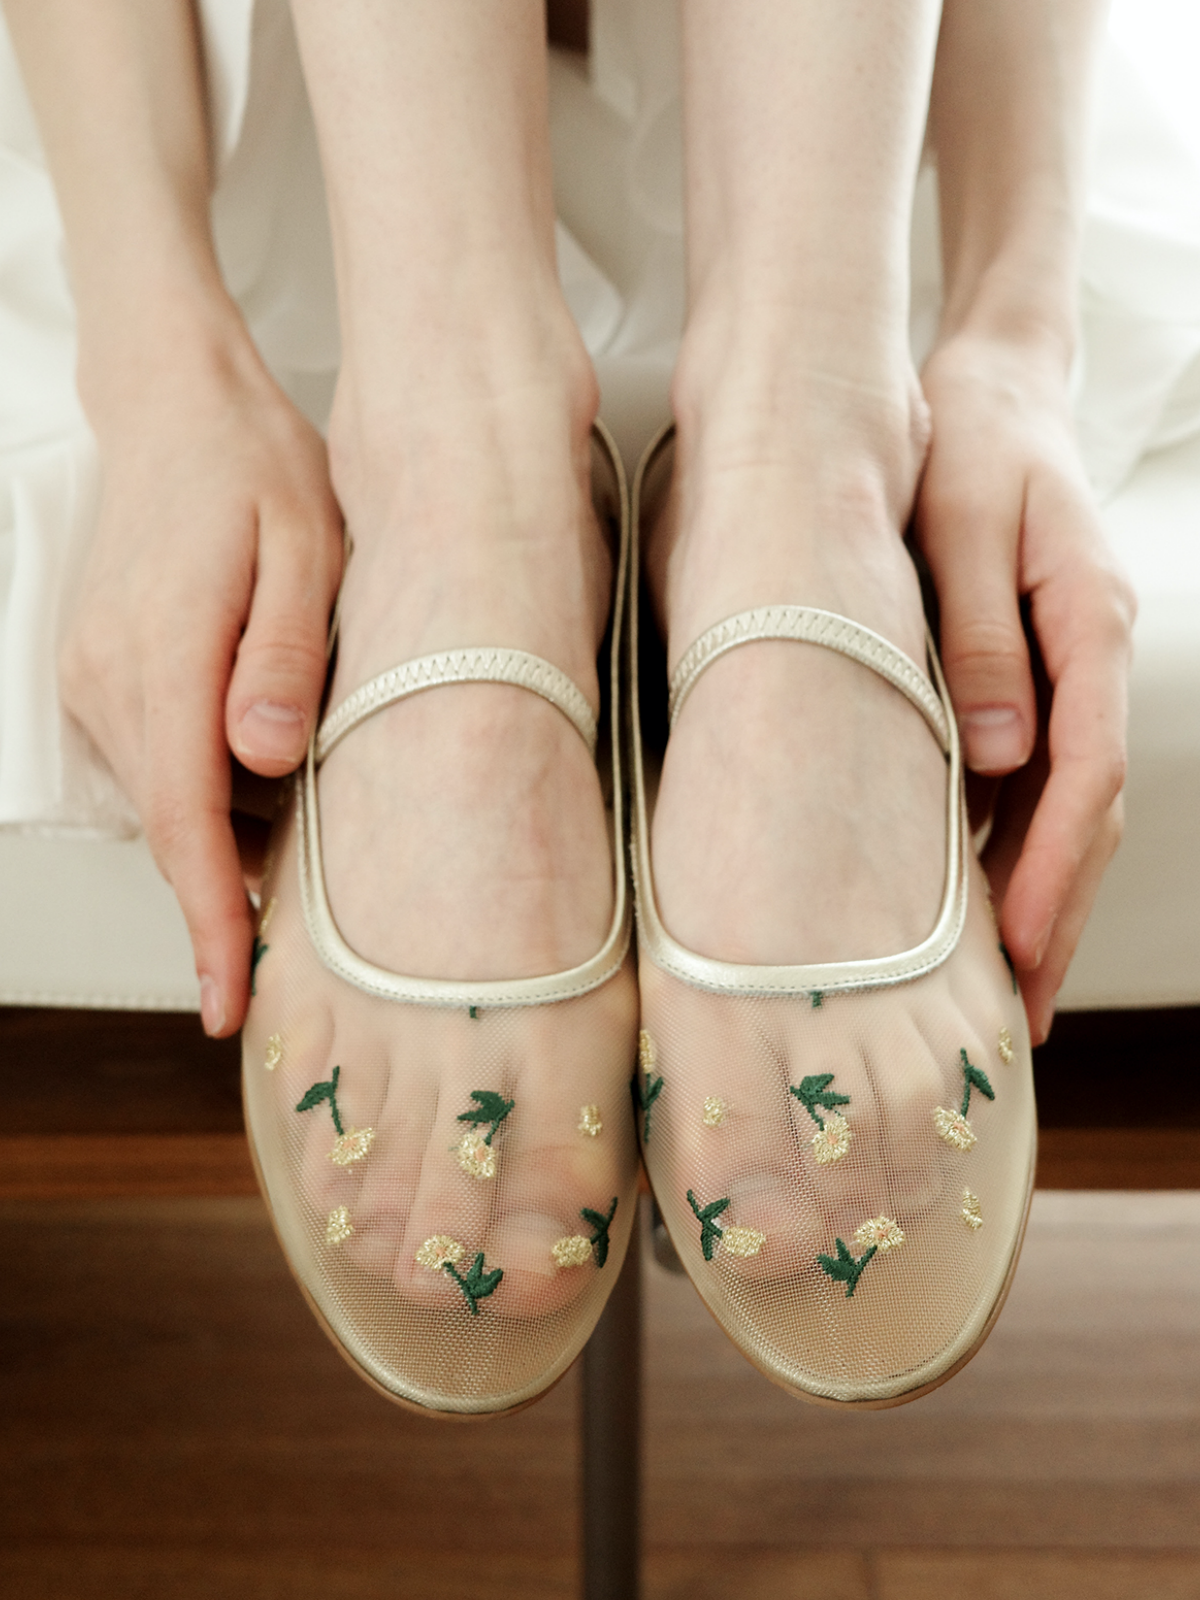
321,1092
489,1107
710,1233
256,955
815,1091
844,1268
817,996
974,1078
1008,962
600,1224
476,1283
645,1100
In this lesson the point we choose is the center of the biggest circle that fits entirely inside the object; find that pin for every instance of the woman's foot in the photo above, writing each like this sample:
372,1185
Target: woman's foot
465,837
801,818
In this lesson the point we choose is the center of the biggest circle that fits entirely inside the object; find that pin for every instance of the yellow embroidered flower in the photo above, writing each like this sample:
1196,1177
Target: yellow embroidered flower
439,1251
715,1111
742,1241
274,1053
647,1052
953,1127
573,1251
264,922
475,1155
590,1121
831,1142
338,1226
972,1215
881,1232
1005,1046
352,1146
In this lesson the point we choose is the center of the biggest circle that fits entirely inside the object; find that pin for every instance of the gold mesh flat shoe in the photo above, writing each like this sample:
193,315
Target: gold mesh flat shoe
843,1152
455,1220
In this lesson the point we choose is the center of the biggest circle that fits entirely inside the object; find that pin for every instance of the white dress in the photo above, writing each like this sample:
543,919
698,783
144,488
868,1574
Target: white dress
617,148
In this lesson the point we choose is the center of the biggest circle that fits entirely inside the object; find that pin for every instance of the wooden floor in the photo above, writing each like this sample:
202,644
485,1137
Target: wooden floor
176,1425
173,1424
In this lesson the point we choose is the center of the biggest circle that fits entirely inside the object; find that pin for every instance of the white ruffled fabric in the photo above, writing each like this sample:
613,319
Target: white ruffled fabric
617,148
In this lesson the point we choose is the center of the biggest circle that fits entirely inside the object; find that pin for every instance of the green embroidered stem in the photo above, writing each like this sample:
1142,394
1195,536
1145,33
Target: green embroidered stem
645,1099
475,1283
974,1079
815,1091
845,1269
706,1216
256,955
321,1092
473,1013
489,1107
817,996
1008,962
600,1224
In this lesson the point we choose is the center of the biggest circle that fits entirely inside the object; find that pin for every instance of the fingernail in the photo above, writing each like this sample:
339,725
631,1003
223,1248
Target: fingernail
271,731
994,737
1039,949
212,1006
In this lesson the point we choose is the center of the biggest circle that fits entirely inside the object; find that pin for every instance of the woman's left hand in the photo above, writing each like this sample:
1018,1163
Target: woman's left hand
1006,520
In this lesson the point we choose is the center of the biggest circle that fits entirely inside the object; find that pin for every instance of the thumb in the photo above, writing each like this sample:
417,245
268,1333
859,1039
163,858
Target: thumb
971,539
275,690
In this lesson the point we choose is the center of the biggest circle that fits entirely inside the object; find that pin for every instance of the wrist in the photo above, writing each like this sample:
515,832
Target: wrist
179,336
1021,298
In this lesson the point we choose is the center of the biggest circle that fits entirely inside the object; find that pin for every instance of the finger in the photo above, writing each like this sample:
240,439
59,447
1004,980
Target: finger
1040,987
279,673
185,811
1085,629
969,527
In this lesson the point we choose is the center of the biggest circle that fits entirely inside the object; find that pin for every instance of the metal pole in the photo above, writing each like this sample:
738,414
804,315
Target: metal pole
612,1407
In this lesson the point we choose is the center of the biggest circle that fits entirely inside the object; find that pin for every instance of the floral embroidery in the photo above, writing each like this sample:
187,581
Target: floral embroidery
438,1252
321,1092
257,953
817,997
647,1052
742,1241
600,1223
475,1155
954,1128
715,1111
442,1254
476,1283
1005,1046
881,1233
338,1226
274,1053
590,1121
710,1233
831,1142
645,1099
843,1268
489,1107
352,1146
971,1213
814,1091
573,1251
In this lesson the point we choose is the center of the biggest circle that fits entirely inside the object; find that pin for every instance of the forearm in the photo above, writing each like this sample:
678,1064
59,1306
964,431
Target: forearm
1009,117
118,92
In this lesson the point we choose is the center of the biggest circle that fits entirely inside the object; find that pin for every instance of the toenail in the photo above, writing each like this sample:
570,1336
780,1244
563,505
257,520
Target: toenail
271,731
995,738
212,1006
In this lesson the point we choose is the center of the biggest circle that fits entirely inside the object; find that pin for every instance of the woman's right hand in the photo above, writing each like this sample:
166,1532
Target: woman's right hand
201,627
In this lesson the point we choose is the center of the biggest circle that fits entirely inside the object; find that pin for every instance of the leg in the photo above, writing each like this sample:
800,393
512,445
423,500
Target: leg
464,829
801,813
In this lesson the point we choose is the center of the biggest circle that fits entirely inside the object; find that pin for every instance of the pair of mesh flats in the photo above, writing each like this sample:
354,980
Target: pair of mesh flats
842,1152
